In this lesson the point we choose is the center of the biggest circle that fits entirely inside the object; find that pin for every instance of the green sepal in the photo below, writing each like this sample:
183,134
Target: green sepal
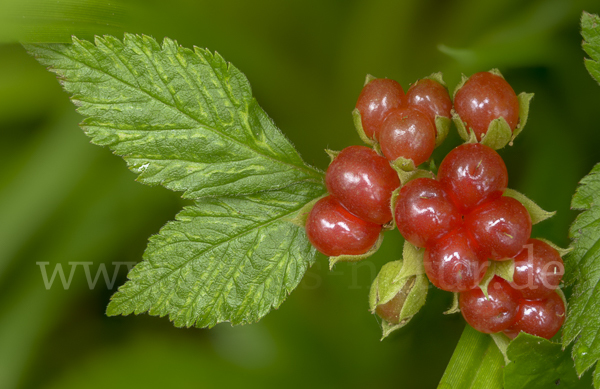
402,164
503,269
524,101
562,252
413,262
498,134
437,77
356,118
463,79
502,341
302,214
369,78
455,307
467,135
386,286
415,300
406,177
442,124
332,154
442,128
356,258
535,211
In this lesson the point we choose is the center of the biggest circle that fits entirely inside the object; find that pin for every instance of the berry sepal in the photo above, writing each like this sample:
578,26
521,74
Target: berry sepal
442,124
357,119
300,218
455,307
503,269
535,211
395,300
562,252
356,258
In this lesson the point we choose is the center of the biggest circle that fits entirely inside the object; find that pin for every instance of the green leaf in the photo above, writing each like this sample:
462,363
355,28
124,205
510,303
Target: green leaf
538,363
182,118
223,259
590,30
582,269
535,211
476,363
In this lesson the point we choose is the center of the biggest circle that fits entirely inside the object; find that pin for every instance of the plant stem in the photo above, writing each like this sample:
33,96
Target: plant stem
476,363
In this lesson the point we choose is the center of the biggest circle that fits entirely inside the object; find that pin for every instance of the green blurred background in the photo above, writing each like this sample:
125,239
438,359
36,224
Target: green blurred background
64,200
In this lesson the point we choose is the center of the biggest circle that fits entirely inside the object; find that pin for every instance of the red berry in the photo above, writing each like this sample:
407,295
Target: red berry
473,174
408,133
335,231
375,101
452,263
493,314
424,211
539,317
538,270
363,182
483,98
430,97
501,227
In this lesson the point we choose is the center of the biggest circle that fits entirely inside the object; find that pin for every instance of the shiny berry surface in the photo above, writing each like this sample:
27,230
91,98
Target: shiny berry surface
483,98
424,211
501,227
430,97
407,133
376,100
363,182
334,231
538,270
539,317
452,262
493,314
473,174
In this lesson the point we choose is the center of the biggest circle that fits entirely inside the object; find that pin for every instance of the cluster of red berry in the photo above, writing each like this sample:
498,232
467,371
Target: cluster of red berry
460,218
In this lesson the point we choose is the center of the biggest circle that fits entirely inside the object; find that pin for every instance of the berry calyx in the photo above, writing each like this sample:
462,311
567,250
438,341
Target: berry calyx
407,133
538,270
375,101
390,311
430,97
486,96
473,174
334,231
363,182
501,227
539,317
493,314
424,211
452,263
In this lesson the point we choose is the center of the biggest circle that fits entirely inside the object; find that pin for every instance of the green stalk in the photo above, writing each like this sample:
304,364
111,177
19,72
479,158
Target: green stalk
476,363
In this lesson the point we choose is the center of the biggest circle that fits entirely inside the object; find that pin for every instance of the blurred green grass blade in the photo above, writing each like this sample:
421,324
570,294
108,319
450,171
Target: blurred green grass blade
56,21
476,363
